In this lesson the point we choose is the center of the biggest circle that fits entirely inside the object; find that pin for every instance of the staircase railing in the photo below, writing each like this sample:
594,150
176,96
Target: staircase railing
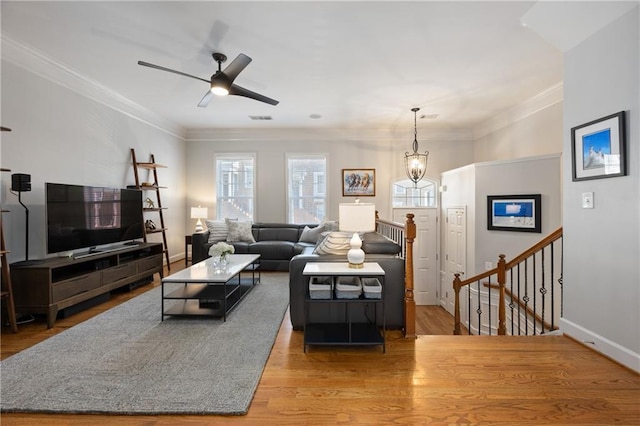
403,235
519,297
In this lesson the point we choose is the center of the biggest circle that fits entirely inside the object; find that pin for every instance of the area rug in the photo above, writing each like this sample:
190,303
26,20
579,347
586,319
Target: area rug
126,361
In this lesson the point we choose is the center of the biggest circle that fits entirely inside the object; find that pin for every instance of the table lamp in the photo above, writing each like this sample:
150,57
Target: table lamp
199,213
356,217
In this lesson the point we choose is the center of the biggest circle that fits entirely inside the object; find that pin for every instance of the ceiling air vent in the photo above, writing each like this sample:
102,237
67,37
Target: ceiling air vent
429,116
261,117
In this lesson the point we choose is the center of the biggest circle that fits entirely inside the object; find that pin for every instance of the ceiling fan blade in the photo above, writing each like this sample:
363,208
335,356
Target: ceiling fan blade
158,67
241,91
205,99
236,66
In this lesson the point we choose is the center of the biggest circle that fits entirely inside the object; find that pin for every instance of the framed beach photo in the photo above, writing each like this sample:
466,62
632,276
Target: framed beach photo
519,213
598,148
358,182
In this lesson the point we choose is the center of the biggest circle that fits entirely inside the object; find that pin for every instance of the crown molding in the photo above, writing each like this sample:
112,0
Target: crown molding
502,162
539,102
36,62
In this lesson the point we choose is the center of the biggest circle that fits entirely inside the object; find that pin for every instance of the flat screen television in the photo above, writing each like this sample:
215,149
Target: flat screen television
81,217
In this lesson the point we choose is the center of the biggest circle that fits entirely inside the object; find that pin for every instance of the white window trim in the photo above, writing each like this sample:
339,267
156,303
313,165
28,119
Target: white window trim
318,155
434,181
236,156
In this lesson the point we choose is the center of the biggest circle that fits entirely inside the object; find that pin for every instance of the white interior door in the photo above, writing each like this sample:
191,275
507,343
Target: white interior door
425,252
455,253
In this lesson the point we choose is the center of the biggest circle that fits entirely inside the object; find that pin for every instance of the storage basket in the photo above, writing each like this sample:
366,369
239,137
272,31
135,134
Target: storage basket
348,287
371,288
320,287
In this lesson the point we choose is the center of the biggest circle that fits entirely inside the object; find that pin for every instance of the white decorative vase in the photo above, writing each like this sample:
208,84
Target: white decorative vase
355,255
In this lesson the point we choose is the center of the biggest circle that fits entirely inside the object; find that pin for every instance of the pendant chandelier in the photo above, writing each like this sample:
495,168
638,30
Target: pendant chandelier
415,163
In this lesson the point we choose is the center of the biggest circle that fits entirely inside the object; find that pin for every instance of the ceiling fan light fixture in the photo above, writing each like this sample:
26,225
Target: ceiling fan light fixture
219,90
221,83
415,163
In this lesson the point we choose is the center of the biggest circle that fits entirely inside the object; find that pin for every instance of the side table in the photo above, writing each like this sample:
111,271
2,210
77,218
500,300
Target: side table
348,332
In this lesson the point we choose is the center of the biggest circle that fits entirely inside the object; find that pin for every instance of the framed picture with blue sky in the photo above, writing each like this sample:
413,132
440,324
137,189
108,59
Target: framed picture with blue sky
598,148
520,213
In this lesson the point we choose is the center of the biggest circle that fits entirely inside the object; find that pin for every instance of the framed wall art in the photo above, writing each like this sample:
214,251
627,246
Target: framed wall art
521,213
358,182
598,148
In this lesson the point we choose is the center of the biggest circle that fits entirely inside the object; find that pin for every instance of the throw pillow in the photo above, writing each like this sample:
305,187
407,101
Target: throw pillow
335,242
218,230
239,231
330,225
311,235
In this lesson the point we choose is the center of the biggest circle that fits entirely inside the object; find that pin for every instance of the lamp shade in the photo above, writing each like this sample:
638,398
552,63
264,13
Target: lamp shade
199,212
357,217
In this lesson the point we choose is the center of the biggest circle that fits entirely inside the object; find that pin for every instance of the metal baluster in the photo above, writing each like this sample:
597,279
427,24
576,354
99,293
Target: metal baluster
543,291
519,304
533,291
511,305
479,310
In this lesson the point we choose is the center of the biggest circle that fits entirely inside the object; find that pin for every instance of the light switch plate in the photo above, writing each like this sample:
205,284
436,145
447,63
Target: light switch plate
587,200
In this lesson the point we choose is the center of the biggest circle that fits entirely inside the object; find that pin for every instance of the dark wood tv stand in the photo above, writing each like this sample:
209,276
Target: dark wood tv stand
48,285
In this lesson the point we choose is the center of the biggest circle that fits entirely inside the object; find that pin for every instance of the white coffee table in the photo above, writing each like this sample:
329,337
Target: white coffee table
204,289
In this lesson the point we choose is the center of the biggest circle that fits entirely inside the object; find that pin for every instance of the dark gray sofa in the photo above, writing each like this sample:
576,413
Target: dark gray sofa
276,243
377,249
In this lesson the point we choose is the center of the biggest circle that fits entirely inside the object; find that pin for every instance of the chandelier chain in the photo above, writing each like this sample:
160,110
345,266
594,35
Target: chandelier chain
415,129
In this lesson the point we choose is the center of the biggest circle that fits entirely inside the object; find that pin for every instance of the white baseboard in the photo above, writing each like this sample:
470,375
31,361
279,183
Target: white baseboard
601,344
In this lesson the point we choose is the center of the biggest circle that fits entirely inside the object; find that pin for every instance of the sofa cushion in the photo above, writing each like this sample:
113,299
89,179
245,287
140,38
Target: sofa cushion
373,242
239,231
242,247
302,247
330,225
279,233
311,235
218,230
273,250
335,242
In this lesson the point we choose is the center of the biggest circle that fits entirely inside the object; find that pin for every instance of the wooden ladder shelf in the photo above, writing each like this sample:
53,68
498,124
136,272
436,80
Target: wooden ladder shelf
151,205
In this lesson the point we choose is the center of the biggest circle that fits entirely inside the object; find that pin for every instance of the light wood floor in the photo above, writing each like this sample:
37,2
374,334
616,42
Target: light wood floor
434,379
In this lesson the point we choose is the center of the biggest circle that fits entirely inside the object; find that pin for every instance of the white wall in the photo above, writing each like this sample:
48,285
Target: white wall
59,135
536,134
602,246
469,186
516,152
345,148
533,175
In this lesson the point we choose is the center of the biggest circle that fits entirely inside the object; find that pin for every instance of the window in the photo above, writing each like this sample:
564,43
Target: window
234,186
406,195
306,188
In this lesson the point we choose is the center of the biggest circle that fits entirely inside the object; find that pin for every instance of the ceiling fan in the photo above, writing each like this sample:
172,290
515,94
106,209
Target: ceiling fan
221,83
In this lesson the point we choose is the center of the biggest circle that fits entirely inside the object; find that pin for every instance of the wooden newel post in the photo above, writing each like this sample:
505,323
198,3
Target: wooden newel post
456,298
409,301
502,280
